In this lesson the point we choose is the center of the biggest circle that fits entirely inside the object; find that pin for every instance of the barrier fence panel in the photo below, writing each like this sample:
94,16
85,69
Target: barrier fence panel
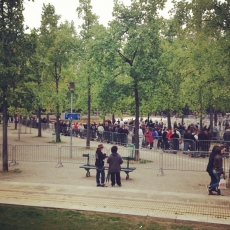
207,145
183,161
36,153
156,159
143,158
74,154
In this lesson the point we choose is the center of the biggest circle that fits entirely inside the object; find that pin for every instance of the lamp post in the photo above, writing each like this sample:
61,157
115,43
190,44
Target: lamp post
71,88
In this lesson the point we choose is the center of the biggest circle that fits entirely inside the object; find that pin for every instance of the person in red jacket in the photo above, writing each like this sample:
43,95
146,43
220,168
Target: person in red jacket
149,137
169,134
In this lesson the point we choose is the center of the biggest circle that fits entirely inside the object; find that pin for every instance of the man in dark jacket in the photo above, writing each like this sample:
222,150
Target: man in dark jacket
218,171
100,166
115,161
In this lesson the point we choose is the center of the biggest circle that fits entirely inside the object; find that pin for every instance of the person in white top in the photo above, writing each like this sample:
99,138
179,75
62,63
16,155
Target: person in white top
140,137
121,122
100,130
81,130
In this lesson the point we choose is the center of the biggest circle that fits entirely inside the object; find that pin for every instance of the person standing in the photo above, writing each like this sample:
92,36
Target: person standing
226,137
149,137
115,161
100,166
165,139
141,135
175,141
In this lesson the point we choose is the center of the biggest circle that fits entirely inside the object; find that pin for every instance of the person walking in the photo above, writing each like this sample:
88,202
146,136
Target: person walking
216,166
100,166
115,161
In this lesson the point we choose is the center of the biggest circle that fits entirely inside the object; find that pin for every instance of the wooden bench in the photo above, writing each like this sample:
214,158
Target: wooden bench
127,169
89,166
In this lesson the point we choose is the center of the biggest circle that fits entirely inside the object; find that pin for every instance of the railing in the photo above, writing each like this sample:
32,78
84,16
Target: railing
155,159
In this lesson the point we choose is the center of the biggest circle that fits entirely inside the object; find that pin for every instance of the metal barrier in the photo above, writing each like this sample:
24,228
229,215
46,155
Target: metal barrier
36,153
75,154
207,145
155,159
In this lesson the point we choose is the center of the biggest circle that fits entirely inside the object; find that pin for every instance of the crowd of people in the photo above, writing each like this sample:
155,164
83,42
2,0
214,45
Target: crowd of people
151,134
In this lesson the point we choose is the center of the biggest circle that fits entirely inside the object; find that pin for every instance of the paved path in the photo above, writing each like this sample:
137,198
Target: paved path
171,205
144,194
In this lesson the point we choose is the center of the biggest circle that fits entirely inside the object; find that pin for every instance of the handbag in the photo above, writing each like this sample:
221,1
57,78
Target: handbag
222,183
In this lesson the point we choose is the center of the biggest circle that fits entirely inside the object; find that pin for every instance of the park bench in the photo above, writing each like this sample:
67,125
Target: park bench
89,166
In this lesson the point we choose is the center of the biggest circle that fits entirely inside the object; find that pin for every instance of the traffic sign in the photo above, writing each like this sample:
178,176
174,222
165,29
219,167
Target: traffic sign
72,116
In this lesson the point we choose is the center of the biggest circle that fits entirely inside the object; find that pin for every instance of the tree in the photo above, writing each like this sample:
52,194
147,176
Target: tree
202,30
135,34
14,52
87,36
58,44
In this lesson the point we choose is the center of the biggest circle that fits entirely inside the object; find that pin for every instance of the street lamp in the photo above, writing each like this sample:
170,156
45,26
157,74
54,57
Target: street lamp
71,88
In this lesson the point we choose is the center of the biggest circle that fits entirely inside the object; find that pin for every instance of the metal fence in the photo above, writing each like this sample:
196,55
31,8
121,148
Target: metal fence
155,159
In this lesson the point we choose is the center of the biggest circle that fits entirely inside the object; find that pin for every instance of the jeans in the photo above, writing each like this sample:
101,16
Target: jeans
216,179
186,145
100,173
213,179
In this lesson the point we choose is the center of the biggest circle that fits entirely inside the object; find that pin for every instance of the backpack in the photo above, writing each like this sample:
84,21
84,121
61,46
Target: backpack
210,164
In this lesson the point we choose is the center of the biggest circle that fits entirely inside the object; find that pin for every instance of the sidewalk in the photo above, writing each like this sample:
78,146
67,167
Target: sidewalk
178,195
170,205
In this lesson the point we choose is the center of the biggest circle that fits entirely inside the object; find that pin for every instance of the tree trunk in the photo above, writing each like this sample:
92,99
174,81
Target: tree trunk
169,119
88,121
137,103
58,138
211,118
39,122
182,120
215,118
5,139
47,118
15,122
113,118
201,124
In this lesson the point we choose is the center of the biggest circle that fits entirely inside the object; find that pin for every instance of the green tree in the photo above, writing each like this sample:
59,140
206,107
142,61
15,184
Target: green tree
58,44
14,52
135,33
87,34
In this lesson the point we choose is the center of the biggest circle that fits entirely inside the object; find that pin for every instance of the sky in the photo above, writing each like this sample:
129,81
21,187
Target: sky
67,10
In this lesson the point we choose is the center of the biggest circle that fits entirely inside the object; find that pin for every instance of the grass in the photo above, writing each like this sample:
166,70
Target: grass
144,161
141,161
17,171
23,217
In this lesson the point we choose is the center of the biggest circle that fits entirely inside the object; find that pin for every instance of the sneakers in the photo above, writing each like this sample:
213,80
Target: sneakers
218,192
209,189
98,185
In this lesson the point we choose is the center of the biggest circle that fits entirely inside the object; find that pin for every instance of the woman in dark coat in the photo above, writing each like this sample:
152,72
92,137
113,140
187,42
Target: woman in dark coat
115,161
